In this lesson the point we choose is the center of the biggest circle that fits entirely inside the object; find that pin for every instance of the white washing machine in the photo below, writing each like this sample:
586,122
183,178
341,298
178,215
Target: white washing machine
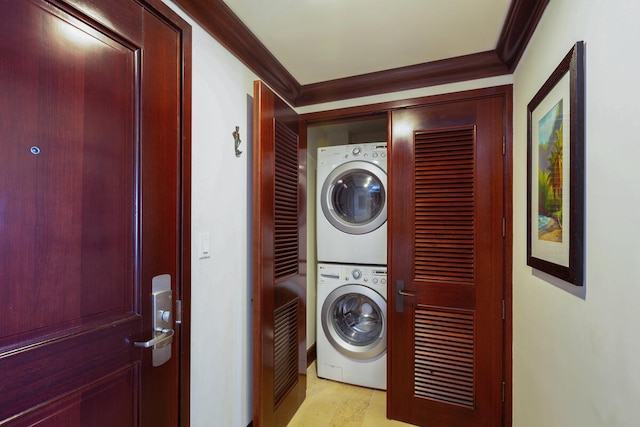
352,204
351,341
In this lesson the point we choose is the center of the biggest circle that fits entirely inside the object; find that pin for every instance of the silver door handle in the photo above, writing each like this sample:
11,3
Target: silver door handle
166,335
405,294
401,294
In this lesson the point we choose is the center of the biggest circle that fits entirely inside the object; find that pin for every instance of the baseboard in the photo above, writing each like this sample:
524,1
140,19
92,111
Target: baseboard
311,354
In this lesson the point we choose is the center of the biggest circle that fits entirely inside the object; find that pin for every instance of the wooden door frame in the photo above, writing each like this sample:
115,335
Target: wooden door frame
184,289
506,91
184,346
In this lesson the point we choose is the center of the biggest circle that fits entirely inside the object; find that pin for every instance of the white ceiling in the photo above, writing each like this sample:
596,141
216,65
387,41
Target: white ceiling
320,40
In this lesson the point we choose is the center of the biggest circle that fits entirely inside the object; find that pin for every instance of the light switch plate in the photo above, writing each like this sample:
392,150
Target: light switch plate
204,249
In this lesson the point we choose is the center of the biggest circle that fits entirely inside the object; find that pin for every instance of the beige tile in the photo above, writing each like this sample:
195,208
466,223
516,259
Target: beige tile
376,415
351,411
335,404
378,405
311,414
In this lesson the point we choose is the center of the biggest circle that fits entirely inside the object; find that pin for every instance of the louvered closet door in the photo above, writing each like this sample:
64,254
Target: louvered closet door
279,292
446,264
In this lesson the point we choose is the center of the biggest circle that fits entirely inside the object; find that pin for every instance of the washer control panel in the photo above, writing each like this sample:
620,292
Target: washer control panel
345,274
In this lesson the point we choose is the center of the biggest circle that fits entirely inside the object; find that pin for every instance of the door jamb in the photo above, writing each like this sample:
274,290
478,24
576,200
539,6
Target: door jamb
184,289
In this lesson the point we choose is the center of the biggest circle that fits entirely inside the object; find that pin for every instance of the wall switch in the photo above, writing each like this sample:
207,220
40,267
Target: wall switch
204,247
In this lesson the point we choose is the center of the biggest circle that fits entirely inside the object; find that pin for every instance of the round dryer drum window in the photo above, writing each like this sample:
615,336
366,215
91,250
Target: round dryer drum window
354,198
353,320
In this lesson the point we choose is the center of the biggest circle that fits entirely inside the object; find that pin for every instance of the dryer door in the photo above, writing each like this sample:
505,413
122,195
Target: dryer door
354,321
354,198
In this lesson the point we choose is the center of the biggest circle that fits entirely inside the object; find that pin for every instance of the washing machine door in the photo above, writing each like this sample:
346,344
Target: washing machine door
354,321
354,198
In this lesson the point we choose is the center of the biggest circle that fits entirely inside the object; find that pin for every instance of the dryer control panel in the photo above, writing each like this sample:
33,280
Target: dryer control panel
366,151
374,152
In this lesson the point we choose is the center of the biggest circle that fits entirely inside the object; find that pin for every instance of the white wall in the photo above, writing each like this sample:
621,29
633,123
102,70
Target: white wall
221,285
576,352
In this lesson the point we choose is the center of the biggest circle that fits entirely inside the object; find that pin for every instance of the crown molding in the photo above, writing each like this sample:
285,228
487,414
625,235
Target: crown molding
522,20
222,24
451,70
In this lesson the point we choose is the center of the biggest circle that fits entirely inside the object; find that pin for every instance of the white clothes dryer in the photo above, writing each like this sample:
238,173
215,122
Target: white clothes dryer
351,340
352,204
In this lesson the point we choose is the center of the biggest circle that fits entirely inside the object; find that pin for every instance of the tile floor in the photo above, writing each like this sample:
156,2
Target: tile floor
334,404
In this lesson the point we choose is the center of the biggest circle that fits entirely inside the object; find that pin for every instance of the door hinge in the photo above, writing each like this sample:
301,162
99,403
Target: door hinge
504,310
504,146
504,386
504,227
178,312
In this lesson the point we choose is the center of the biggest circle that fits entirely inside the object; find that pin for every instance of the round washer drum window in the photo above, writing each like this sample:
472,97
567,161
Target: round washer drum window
357,319
354,321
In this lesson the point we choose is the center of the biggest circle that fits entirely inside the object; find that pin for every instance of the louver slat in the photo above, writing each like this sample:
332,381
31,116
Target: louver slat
285,350
444,356
286,203
444,222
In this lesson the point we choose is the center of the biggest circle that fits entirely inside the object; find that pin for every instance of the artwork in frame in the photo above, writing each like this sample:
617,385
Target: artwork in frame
555,165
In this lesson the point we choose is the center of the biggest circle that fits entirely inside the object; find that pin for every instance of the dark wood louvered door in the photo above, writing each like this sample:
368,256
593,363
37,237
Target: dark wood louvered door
446,264
279,289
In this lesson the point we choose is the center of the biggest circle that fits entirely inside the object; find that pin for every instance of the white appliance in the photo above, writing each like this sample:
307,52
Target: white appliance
352,204
351,341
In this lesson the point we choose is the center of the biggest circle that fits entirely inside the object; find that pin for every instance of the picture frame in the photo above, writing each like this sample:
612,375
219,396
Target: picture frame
555,177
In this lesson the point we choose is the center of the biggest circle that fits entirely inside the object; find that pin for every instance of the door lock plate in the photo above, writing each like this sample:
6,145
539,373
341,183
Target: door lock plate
161,305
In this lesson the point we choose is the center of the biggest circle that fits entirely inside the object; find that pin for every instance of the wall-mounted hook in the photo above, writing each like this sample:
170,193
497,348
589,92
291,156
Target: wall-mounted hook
236,140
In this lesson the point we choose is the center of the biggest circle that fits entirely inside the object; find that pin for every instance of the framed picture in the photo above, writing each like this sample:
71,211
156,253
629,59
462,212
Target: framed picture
555,181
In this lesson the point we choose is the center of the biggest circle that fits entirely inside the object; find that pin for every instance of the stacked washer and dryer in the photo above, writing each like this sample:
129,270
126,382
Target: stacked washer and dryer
352,256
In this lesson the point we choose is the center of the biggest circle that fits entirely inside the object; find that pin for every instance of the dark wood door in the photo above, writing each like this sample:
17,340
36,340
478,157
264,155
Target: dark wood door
91,209
279,255
446,263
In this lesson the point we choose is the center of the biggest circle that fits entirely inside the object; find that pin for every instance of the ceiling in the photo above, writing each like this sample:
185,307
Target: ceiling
315,51
320,40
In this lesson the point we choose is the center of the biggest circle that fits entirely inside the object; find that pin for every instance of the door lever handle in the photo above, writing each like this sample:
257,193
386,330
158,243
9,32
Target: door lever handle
405,294
166,335
401,294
